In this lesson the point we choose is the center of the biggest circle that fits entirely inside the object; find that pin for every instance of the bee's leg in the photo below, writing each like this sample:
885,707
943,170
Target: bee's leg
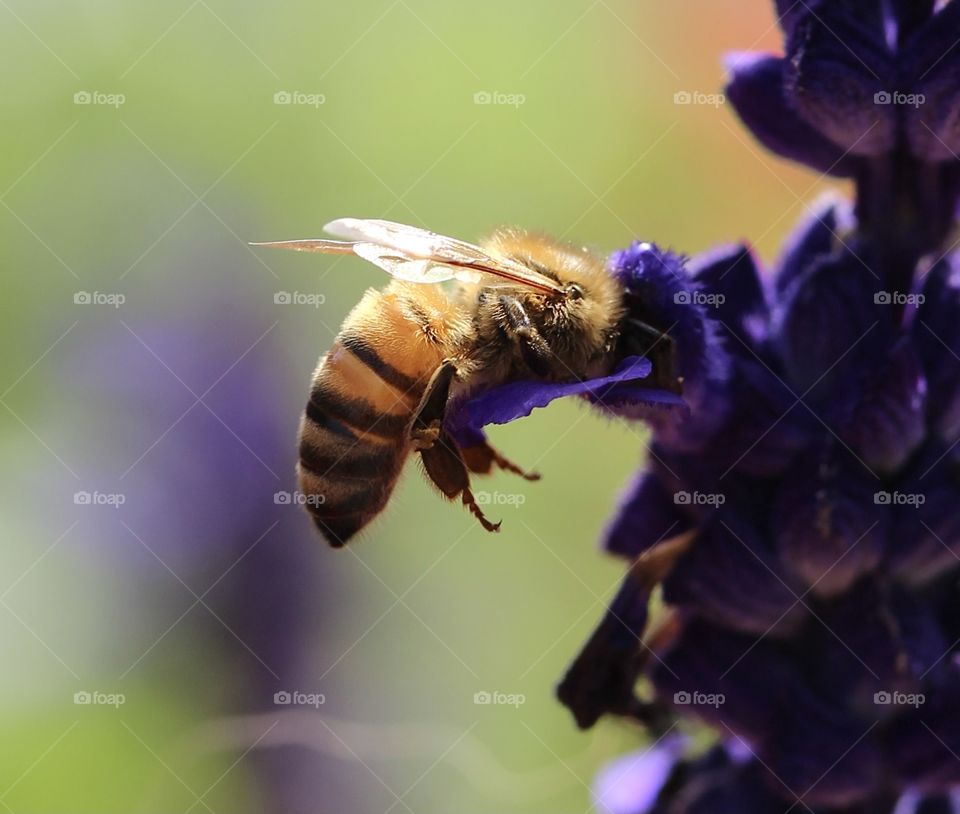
428,419
445,467
439,452
482,457
533,348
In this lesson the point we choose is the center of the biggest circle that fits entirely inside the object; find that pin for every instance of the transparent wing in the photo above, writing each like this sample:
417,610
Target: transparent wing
417,255
409,240
413,269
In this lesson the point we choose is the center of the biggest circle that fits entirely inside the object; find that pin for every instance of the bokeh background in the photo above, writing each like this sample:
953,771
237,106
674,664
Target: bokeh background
146,364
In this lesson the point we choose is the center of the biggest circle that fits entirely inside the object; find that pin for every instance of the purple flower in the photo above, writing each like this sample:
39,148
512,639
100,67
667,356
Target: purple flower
801,514
866,90
813,603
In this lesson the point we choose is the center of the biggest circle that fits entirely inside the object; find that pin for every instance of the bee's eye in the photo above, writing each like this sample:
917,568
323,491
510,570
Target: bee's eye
574,292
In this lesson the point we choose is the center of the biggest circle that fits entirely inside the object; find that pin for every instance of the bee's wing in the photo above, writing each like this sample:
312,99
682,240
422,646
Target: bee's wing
439,249
413,269
417,255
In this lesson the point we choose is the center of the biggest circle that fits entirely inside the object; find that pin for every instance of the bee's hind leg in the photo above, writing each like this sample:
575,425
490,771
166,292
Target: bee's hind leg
445,467
440,454
482,457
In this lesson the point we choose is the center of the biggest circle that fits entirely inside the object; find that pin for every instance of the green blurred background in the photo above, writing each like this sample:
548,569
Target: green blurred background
184,400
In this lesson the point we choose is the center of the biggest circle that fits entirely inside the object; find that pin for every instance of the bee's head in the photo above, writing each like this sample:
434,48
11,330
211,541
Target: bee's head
580,321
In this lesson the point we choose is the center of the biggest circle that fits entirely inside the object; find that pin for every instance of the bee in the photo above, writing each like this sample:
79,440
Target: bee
524,306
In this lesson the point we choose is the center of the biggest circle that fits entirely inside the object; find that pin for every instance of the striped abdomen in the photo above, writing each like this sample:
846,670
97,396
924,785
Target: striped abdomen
354,433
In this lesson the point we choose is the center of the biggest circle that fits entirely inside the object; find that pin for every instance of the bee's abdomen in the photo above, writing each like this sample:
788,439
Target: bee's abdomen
354,432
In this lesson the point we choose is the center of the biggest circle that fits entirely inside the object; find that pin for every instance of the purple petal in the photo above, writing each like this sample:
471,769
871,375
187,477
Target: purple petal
888,423
932,105
836,72
508,402
815,238
825,754
631,783
731,274
756,90
767,426
923,744
876,638
722,781
648,514
828,529
831,325
936,334
603,676
729,680
908,15
660,292
730,577
926,523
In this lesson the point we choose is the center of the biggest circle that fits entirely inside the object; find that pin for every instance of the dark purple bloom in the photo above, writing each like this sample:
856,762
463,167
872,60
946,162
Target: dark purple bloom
802,513
866,90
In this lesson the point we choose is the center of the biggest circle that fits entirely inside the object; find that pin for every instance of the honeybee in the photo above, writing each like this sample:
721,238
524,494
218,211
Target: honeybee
525,306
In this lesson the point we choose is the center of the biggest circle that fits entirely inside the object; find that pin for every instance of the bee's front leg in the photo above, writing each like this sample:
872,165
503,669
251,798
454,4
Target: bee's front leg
534,349
428,420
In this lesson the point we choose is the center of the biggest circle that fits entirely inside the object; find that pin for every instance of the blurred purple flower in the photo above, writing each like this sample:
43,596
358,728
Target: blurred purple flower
210,513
